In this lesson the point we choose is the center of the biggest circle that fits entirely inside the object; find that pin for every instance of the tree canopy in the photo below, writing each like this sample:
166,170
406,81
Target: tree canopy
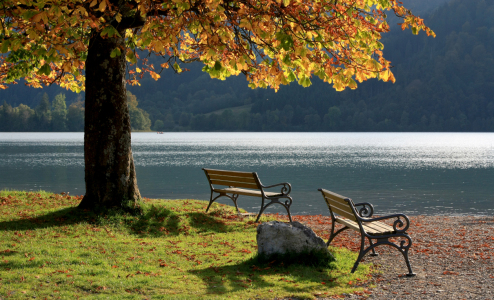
271,42
97,45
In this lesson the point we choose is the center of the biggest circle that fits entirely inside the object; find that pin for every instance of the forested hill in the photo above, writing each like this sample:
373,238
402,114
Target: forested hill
442,84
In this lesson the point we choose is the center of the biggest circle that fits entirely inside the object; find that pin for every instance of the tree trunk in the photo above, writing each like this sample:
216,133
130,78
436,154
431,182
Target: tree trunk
109,165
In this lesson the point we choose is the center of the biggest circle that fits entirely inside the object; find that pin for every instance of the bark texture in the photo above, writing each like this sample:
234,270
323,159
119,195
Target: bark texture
109,165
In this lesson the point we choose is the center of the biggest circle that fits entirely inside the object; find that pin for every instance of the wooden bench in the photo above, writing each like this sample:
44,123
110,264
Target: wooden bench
233,183
369,228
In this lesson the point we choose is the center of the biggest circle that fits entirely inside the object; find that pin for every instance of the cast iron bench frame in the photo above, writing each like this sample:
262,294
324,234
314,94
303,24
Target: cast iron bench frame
369,228
247,184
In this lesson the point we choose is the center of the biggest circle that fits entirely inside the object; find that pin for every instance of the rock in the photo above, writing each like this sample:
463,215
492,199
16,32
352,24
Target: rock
280,238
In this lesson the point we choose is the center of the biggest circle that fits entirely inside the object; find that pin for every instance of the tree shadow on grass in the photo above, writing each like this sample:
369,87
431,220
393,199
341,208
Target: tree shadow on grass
155,222
163,222
250,274
62,217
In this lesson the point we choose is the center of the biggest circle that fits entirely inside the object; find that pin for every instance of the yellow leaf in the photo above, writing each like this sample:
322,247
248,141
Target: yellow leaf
118,17
245,23
352,84
158,46
138,70
384,75
360,76
392,77
93,3
373,65
155,75
338,85
102,6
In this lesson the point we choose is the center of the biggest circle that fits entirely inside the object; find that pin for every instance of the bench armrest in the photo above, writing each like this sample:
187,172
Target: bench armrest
286,188
398,225
366,211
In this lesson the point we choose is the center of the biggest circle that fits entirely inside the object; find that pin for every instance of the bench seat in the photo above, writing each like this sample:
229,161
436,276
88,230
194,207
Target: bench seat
246,192
375,228
234,183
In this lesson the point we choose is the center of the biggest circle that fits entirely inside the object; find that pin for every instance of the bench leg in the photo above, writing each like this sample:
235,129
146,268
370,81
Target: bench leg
211,200
276,200
333,234
232,197
287,205
261,210
373,251
362,252
407,261
403,248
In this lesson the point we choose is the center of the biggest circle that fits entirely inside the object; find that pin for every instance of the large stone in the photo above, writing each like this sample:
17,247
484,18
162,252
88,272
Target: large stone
280,238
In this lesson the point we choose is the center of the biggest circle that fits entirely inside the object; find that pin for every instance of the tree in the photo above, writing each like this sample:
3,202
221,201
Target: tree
75,116
332,118
59,113
43,114
272,43
139,119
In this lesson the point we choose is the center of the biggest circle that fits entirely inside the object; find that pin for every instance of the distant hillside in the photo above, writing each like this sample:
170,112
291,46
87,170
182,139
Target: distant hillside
443,84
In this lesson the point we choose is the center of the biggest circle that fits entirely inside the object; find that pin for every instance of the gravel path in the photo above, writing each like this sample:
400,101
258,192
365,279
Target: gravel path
453,258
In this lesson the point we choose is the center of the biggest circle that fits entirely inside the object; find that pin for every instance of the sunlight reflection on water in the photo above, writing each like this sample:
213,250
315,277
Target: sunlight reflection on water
427,173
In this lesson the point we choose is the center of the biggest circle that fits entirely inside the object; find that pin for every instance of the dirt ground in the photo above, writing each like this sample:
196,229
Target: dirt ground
453,258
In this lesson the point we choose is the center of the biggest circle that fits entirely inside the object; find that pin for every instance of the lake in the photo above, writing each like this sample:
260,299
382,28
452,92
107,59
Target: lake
413,173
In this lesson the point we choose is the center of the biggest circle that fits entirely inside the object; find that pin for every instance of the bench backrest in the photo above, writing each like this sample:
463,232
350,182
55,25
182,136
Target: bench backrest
233,178
338,204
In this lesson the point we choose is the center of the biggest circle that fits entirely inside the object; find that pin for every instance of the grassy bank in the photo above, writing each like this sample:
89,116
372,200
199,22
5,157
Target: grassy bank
48,248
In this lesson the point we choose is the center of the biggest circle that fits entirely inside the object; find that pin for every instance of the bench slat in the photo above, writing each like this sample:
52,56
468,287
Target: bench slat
334,196
235,184
343,212
229,173
246,192
342,207
232,178
379,226
352,224
369,229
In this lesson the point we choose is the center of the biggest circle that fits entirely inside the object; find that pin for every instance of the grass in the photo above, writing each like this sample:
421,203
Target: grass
50,249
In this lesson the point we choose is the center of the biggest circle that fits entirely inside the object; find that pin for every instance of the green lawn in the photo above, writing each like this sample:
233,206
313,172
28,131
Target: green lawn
174,250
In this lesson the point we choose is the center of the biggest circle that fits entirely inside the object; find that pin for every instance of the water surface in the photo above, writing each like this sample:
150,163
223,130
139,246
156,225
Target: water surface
414,173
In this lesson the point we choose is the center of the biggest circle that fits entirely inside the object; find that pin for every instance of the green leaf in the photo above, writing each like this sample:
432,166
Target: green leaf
305,81
286,60
116,52
110,31
131,57
177,68
285,39
415,30
45,69
28,14
217,66
5,46
291,77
